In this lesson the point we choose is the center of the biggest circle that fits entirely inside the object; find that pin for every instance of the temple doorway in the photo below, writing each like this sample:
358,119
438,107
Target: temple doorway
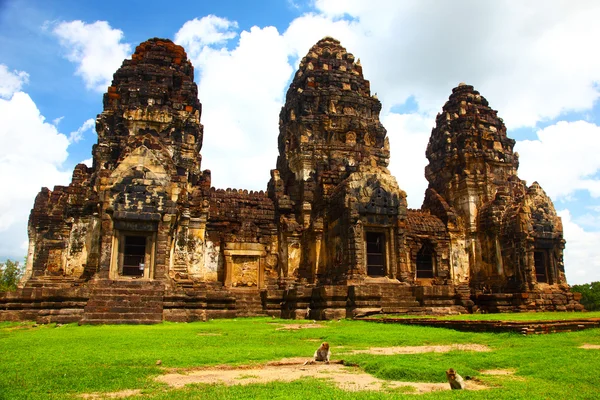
134,256
540,263
375,254
425,262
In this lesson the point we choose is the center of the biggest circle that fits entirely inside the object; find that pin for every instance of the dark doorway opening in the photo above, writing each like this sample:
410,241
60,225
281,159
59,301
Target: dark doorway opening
134,256
375,254
541,272
425,262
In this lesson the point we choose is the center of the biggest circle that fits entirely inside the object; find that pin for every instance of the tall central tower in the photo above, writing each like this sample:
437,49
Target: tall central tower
329,135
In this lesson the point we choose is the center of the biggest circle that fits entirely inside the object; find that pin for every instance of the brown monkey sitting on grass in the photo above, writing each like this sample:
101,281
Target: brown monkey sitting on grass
322,354
455,380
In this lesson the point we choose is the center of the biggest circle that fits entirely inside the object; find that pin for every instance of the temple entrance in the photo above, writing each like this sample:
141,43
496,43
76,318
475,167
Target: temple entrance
540,263
425,262
375,254
134,256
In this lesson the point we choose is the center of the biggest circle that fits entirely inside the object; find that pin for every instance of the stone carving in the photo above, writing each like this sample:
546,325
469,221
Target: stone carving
331,234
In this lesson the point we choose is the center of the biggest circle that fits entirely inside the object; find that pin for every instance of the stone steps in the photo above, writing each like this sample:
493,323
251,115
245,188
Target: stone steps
54,282
248,303
124,302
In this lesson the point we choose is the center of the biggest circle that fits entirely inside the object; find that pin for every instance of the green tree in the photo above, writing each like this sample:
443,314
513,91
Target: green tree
10,274
590,295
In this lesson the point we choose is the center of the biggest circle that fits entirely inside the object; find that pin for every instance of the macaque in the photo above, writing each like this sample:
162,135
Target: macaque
455,380
322,354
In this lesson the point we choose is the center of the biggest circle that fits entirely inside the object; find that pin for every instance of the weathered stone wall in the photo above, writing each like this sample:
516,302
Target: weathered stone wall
242,226
62,226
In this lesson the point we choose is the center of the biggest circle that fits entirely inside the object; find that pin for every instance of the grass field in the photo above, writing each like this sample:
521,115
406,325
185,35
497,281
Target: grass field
56,362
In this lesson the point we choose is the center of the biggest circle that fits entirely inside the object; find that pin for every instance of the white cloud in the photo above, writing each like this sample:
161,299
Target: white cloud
32,154
11,82
77,135
292,4
594,208
96,49
409,134
532,59
582,253
589,220
57,121
196,34
563,159
242,93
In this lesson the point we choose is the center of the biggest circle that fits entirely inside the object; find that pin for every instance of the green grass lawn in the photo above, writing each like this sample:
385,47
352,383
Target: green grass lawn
40,362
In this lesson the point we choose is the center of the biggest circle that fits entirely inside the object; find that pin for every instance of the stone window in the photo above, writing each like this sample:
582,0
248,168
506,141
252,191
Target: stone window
425,262
375,254
540,261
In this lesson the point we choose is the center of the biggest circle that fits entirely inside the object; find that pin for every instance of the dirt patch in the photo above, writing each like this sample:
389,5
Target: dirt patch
112,395
287,370
503,374
590,346
500,372
20,327
421,349
294,327
208,334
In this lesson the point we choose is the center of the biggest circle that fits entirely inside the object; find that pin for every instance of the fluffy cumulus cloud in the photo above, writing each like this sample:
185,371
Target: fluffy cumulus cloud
32,154
96,48
563,159
241,92
582,253
196,34
11,82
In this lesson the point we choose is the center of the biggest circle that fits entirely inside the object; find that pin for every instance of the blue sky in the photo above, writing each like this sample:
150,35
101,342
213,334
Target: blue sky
534,61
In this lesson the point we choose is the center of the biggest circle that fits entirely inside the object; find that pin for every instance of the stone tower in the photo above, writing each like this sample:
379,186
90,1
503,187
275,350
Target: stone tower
332,166
147,159
505,235
116,218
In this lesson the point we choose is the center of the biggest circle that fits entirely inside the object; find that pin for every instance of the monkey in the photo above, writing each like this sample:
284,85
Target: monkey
455,380
322,354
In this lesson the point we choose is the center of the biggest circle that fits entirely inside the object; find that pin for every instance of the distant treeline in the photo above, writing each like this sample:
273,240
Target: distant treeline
590,295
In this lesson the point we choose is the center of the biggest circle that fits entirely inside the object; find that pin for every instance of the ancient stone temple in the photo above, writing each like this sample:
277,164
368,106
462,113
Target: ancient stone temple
142,237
